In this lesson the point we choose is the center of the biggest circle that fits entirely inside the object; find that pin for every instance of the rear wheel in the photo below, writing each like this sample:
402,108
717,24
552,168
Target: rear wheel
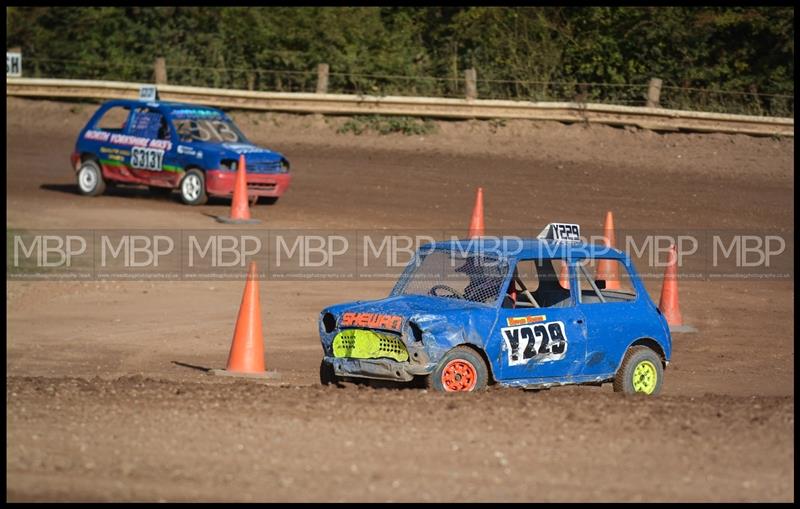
90,178
460,370
193,188
641,372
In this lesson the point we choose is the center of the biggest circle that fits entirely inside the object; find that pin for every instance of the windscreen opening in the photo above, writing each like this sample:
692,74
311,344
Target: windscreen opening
454,275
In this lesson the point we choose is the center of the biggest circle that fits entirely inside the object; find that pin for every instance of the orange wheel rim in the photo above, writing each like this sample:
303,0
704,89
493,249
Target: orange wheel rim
459,375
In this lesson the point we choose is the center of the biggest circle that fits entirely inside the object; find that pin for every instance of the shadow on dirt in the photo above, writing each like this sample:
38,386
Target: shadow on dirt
417,383
143,192
62,188
116,190
191,366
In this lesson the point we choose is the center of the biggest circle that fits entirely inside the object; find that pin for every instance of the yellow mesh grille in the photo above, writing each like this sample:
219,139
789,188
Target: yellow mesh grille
367,344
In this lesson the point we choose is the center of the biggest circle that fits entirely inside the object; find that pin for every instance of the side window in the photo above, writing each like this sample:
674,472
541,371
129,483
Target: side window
148,123
187,130
604,280
113,119
535,284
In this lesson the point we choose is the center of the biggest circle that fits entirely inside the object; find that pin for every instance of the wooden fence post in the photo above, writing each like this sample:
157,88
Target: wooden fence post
654,93
322,78
471,81
161,71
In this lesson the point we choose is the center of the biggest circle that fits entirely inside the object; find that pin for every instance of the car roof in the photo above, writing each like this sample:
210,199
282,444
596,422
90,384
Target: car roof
526,248
166,106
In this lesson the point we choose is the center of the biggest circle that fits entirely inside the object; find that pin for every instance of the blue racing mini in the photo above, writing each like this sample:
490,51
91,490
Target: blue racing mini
529,313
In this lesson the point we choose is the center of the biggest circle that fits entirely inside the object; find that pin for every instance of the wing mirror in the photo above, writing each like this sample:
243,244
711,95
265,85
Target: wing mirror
601,284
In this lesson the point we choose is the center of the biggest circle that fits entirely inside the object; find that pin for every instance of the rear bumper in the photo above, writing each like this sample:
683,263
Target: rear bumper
220,183
381,369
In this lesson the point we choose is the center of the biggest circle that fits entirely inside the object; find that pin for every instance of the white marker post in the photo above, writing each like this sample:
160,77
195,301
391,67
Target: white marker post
13,64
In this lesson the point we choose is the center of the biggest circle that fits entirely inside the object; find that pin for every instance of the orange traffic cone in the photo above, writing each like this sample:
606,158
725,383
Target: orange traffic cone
239,206
668,304
246,356
476,223
609,269
563,276
240,209
669,291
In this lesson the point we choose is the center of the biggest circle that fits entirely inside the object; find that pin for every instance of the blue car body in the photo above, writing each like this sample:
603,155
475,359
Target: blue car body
148,146
588,338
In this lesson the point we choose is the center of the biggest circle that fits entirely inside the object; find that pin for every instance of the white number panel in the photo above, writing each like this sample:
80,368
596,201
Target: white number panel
540,341
147,158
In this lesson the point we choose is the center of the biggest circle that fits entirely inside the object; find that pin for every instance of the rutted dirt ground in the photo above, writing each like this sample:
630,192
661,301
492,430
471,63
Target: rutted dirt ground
137,438
98,410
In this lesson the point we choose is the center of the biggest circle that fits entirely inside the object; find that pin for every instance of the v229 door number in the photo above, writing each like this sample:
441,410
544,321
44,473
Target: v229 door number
147,158
543,341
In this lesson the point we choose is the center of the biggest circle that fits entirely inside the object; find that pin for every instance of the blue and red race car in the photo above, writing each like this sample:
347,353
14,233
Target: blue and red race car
467,313
168,145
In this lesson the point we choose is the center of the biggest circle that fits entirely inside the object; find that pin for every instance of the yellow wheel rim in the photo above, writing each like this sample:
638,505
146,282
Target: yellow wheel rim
645,377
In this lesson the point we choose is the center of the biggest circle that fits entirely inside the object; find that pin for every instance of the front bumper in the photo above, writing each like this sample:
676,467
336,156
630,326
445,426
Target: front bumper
382,369
221,183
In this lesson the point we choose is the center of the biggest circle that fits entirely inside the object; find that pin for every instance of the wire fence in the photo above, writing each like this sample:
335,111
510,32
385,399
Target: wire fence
305,80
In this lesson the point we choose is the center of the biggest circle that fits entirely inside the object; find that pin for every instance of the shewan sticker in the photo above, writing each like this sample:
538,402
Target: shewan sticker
524,320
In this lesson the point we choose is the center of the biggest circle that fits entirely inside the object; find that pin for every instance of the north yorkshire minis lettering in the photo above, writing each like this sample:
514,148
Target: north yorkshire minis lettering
371,320
138,141
96,135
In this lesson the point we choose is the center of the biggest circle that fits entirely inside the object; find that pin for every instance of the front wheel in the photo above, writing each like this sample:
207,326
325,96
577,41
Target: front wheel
90,179
460,370
193,188
327,376
641,371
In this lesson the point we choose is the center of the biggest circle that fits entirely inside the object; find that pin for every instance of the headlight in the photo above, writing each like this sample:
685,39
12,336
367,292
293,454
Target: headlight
284,166
329,322
228,164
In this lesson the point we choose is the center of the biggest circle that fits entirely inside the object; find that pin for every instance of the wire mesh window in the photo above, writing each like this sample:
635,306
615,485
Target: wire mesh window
454,275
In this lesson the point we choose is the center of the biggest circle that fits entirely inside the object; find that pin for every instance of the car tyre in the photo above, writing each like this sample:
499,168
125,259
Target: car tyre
641,372
327,376
461,370
90,178
193,188
268,200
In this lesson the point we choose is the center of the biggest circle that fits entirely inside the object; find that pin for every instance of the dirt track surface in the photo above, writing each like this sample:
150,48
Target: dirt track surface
136,438
98,409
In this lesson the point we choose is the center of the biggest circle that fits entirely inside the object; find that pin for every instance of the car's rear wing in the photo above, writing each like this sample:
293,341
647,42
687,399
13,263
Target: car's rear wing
561,231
